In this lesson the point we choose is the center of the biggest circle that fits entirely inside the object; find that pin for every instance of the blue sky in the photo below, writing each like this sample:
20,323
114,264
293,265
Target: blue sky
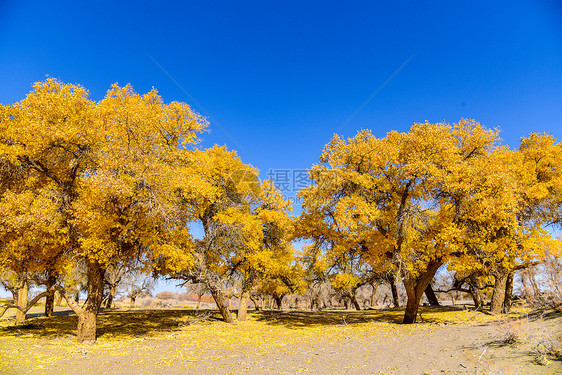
278,78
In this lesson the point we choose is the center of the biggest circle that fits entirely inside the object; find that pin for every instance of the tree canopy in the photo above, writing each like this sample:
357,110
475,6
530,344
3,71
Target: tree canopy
89,189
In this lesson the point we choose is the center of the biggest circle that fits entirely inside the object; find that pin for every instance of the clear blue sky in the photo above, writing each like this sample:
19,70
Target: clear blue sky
278,78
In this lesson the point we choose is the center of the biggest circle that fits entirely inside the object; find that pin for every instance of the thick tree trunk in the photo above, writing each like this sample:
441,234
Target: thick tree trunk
412,304
222,304
87,325
22,302
415,287
243,307
508,292
431,297
278,301
50,299
394,291
199,297
498,295
87,317
476,290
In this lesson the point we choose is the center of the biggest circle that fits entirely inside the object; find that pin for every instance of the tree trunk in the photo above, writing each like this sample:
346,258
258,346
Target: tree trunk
498,295
431,297
279,301
394,290
508,292
315,305
476,290
256,304
243,307
415,287
355,303
526,290
531,275
50,299
374,295
222,304
353,299
199,297
412,304
109,301
110,297
87,317
22,302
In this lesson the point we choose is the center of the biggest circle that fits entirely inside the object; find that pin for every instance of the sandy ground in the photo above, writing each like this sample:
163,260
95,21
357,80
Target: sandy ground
335,342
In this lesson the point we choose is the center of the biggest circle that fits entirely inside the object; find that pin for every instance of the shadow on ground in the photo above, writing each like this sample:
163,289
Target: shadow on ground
124,323
300,318
144,322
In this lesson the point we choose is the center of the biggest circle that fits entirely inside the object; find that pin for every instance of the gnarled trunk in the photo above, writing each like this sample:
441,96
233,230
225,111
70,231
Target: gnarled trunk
508,292
222,304
87,326
412,304
22,302
243,307
475,287
498,295
87,316
415,287
279,301
50,299
354,300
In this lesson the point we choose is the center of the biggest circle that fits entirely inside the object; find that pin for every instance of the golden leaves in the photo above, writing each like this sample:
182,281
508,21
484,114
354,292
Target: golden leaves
438,191
107,173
